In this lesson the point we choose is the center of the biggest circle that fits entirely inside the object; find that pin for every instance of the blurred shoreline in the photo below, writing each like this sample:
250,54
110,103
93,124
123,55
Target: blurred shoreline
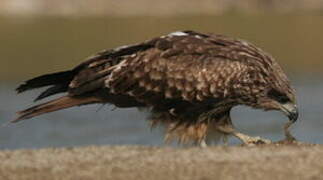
35,46
82,8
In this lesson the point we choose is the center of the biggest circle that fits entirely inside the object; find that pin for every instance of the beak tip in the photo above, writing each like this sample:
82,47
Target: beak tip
291,111
293,116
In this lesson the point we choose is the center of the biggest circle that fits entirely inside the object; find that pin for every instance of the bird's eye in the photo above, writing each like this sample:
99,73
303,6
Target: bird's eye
278,96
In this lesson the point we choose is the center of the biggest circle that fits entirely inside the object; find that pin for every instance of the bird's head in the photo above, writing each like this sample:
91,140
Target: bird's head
284,101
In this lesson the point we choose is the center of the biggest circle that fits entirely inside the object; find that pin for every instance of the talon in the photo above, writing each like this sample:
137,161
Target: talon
257,141
251,140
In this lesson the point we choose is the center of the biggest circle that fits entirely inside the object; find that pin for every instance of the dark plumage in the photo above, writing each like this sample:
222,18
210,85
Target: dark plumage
190,81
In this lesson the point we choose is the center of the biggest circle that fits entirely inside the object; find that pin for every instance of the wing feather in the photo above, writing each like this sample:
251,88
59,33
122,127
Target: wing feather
93,72
179,71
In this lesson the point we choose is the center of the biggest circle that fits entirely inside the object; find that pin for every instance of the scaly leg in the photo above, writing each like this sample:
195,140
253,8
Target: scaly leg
248,140
203,144
224,125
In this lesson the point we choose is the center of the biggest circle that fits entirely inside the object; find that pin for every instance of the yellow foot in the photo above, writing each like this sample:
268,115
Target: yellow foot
250,141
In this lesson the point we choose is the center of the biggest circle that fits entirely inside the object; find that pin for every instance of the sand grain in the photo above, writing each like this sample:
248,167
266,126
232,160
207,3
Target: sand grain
138,162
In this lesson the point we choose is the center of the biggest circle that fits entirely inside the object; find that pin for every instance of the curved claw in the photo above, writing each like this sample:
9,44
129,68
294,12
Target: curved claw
256,141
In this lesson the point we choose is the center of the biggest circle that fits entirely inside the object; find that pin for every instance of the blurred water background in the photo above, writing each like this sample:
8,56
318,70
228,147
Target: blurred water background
34,41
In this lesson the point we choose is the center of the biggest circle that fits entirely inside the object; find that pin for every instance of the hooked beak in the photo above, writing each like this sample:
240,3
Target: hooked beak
291,111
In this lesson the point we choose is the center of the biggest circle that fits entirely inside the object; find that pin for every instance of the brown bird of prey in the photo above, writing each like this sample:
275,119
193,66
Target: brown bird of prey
189,81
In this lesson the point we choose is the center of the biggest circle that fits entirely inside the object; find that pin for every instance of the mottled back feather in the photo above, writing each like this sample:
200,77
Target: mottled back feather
189,80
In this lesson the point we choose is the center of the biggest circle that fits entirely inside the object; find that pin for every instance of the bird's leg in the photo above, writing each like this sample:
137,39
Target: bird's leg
248,140
223,124
225,140
203,144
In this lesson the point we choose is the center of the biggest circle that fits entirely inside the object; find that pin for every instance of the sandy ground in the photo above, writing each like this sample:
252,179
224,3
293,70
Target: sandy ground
138,162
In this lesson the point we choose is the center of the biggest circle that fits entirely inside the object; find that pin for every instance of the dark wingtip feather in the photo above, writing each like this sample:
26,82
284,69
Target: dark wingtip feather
51,91
21,88
46,80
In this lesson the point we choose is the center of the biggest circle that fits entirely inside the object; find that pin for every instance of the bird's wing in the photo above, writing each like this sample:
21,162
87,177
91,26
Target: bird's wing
189,66
92,73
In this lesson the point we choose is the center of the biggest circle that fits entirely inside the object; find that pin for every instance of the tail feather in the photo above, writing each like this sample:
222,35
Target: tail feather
46,80
54,105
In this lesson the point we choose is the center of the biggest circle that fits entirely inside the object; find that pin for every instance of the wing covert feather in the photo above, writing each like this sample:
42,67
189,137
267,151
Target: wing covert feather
185,76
